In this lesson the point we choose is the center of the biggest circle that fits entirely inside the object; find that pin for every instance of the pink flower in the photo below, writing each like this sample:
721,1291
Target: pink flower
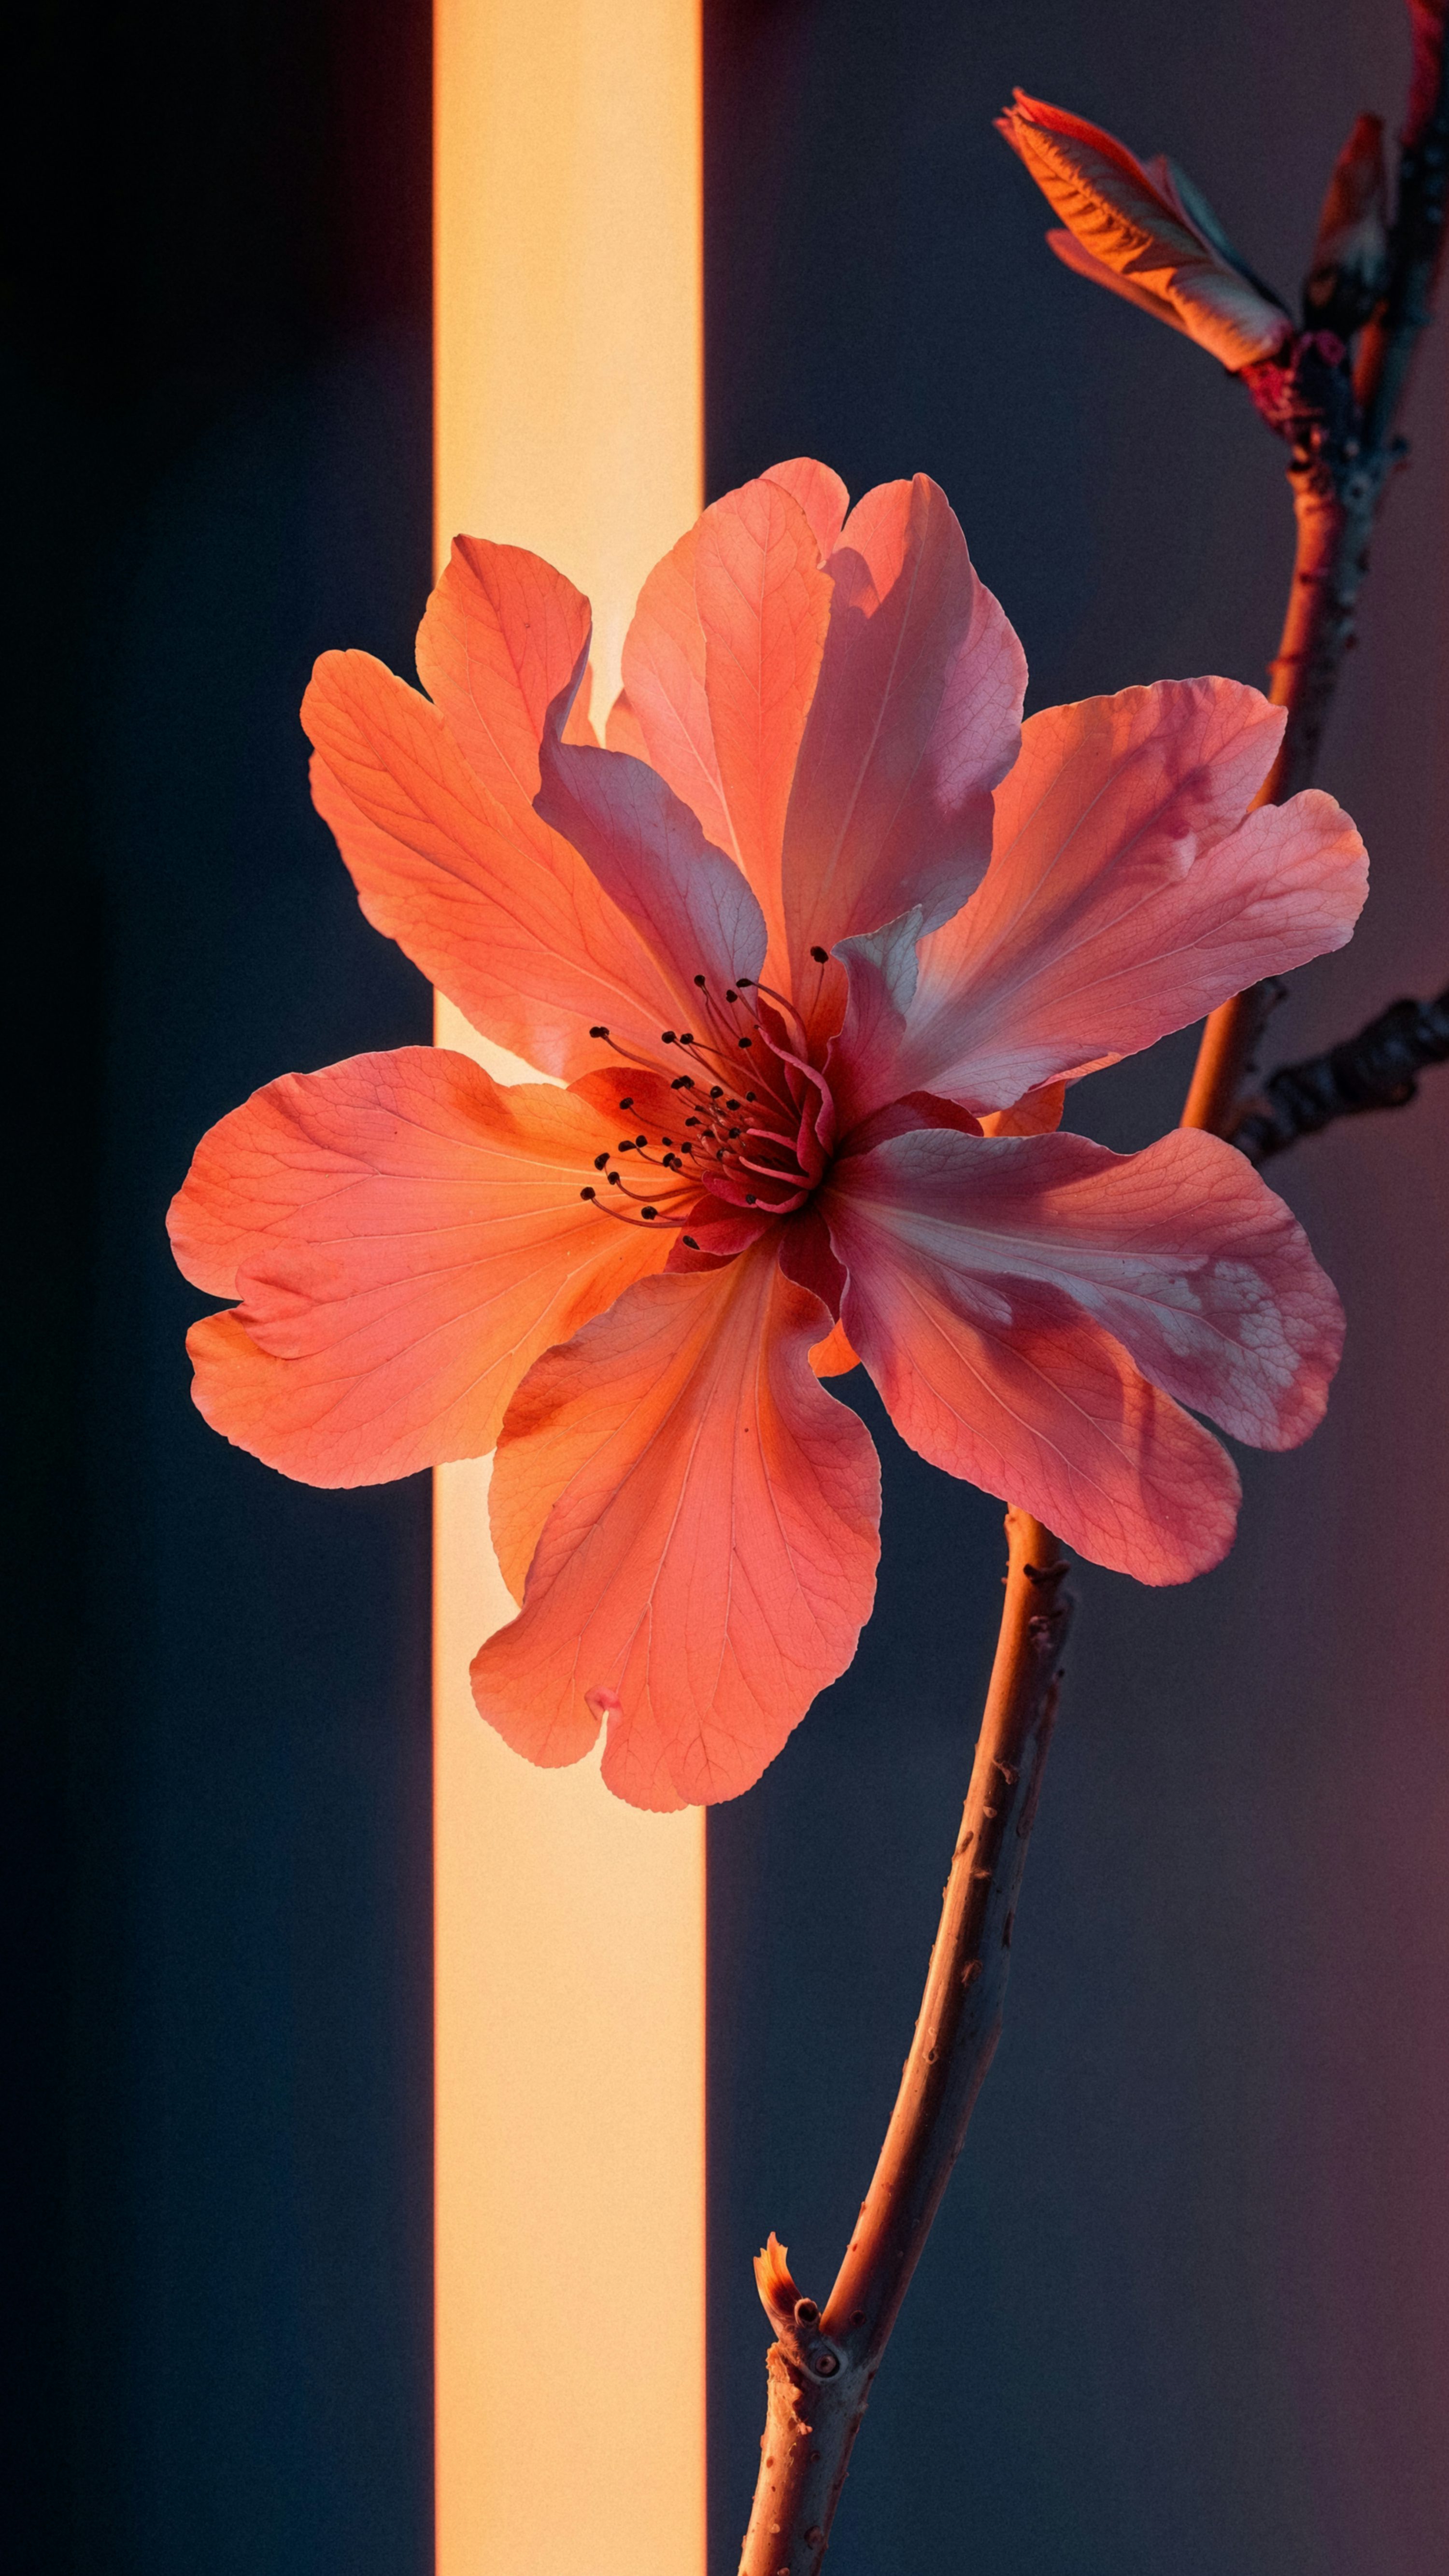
1142,229
814,973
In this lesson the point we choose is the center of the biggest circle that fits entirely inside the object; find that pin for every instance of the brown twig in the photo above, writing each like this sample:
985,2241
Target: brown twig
1340,420
822,2364
1377,1069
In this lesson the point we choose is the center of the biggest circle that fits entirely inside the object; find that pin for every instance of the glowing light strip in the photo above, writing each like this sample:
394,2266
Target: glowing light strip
569,1929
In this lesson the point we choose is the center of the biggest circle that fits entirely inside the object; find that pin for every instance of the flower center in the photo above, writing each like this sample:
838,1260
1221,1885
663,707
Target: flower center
752,1121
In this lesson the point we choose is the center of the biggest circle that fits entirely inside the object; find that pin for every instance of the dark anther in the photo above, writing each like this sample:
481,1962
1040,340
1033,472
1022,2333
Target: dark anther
681,1082
626,1144
686,1037
716,1091
699,979
598,1033
614,1181
629,1103
732,1132
821,956
689,1239
752,1095
730,994
747,1041
588,1194
648,1211
744,981
750,1199
601,1162
668,1038
641,1140
732,1104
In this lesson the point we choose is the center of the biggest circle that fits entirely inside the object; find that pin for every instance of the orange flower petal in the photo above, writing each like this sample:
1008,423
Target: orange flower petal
721,659
972,1265
406,1237
686,901
495,908
501,637
1128,893
1038,1403
701,1520
914,719
763,599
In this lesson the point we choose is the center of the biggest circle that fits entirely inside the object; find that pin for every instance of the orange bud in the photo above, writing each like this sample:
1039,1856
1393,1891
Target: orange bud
1143,230
1351,252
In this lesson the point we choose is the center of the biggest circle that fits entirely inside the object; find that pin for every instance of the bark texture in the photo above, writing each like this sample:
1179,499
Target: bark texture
1339,416
823,2361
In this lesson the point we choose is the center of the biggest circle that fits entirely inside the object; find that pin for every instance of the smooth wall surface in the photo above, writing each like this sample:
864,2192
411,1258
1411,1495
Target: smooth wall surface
1188,2305
216,1689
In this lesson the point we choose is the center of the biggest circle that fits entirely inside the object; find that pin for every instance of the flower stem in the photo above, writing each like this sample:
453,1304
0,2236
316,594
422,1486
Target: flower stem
821,2366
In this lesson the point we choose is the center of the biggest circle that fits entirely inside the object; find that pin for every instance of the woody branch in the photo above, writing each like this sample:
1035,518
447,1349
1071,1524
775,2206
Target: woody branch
1340,417
823,2361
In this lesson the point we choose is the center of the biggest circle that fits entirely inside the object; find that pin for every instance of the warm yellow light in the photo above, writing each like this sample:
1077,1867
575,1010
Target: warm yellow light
569,1929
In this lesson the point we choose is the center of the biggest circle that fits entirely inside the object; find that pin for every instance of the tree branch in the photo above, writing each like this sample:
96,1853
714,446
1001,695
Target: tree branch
1378,1069
1340,422
822,2364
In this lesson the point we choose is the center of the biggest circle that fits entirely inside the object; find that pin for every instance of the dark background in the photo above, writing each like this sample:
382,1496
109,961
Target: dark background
1186,2313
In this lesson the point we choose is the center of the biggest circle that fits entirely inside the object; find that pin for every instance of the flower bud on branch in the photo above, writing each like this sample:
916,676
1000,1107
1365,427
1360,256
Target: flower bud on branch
1426,18
1143,230
1350,256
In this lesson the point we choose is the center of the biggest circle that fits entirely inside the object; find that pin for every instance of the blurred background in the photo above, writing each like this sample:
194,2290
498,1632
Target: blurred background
1187,2307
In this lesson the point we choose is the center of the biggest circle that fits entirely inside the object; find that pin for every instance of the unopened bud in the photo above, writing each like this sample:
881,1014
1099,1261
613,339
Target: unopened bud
1143,230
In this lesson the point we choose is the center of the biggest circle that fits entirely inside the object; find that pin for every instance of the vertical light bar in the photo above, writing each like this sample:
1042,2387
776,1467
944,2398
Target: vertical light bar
569,1929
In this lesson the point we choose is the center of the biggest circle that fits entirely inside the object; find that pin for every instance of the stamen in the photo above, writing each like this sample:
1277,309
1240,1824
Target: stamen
821,956
783,1004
